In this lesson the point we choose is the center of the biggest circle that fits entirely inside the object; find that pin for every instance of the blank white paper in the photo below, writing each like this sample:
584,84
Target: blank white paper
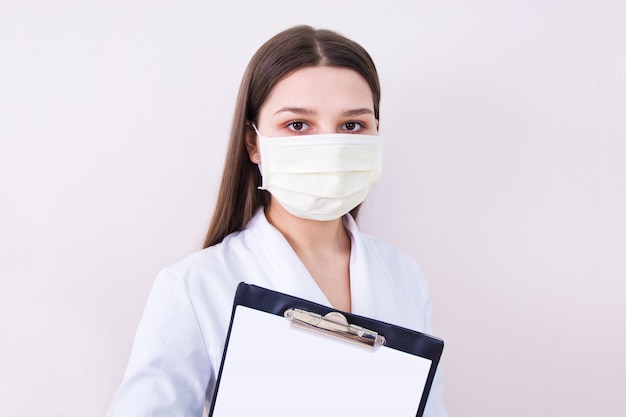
273,369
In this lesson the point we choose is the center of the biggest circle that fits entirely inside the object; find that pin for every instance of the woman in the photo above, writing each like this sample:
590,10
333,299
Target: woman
303,153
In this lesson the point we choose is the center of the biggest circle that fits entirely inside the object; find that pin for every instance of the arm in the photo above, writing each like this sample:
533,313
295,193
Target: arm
169,368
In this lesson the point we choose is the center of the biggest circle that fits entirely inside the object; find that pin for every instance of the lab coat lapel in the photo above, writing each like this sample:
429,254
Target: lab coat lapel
286,272
280,264
362,273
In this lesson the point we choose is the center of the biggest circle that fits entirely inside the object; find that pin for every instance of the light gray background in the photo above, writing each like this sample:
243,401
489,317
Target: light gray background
504,177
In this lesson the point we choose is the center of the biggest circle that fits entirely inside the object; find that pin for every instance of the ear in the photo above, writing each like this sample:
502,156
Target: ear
251,145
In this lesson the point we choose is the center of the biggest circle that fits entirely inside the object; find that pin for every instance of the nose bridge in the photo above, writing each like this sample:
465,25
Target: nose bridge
327,123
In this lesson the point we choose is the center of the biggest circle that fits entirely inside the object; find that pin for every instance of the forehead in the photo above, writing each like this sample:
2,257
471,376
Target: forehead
321,88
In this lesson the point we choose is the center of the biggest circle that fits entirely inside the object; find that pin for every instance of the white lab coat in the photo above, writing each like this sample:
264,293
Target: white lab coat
178,345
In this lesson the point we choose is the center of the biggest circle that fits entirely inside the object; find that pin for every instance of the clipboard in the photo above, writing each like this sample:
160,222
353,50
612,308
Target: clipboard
286,356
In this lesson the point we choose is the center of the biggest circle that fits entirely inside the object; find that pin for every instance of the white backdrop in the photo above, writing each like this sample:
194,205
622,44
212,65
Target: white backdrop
504,176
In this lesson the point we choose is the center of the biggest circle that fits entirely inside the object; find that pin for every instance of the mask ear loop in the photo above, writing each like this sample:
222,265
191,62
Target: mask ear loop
256,157
255,129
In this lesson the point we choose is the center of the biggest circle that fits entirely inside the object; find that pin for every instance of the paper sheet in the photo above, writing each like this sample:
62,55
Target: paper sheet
272,369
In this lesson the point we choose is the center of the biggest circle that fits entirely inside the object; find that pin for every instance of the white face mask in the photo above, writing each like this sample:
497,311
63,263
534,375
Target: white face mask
320,177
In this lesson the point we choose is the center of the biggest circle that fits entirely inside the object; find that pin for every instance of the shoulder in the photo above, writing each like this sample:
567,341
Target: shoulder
400,269
391,255
208,263
215,271
386,252
383,251
202,285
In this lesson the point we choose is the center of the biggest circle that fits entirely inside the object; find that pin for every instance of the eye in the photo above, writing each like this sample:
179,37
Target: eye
297,126
352,126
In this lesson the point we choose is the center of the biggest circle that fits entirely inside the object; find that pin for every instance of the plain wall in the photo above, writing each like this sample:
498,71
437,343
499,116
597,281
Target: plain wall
504,177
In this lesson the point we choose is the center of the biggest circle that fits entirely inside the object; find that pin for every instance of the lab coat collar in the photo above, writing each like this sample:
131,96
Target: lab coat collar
284,269
361,278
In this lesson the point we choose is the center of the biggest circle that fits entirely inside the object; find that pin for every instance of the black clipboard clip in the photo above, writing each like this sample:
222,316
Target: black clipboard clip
335,324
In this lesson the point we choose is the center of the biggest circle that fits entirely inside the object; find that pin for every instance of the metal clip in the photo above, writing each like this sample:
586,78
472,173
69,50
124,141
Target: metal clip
335,325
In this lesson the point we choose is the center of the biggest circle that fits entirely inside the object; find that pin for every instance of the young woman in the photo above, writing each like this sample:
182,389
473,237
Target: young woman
303,154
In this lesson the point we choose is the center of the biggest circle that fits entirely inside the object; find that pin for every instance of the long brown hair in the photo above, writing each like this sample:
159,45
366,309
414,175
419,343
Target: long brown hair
292,49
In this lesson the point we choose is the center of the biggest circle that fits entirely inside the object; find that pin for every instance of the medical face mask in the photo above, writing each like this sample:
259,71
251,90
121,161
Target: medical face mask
320,177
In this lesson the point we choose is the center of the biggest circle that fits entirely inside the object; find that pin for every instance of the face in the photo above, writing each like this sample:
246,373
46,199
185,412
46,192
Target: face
317,100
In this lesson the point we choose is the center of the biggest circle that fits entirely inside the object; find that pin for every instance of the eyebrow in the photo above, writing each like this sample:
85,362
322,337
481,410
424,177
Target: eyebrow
296,110
308,112
358,112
